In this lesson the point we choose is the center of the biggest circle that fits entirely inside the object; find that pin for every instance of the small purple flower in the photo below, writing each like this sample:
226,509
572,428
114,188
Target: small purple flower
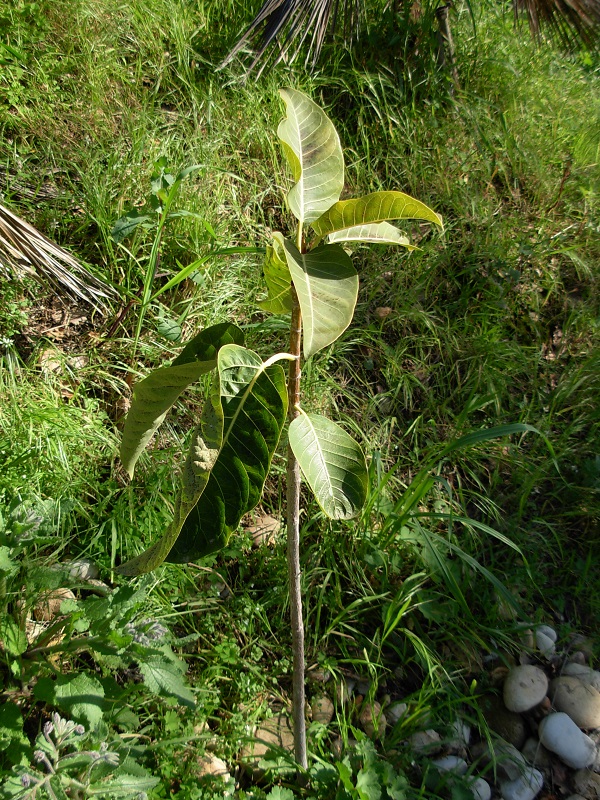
146,631
26,781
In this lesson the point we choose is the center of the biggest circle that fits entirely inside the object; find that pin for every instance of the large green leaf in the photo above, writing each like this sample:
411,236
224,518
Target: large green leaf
278,279
228,461
254,402
203,453
166,677
327,287
155,395
80,694
375,233
372,208
312,147
332,463
122,785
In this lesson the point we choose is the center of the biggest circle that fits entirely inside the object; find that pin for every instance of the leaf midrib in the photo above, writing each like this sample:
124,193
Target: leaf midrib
243,398
322,458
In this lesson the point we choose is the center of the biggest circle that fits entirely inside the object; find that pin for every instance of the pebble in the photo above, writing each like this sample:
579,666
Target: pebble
461,733
48,606
276,732
481,789
587,784
535,752
525,686
395,712
585,674
527,786
544,644
373,720
547,631
98,587
82,569
264,531
344,690
426,742
322,710
509,762
505,723
578,658
319,675
580,701
451,764
561,735
583,645
208,764
527,639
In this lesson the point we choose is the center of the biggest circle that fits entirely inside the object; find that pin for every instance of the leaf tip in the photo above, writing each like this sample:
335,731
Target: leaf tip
128,466
127,569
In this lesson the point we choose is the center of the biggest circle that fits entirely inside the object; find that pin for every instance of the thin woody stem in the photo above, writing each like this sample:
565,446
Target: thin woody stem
293,538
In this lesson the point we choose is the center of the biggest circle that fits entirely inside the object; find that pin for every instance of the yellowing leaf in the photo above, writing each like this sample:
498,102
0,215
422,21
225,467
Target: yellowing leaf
372,208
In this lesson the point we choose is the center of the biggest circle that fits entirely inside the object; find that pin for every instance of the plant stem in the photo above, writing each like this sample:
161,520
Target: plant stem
447,44
293,543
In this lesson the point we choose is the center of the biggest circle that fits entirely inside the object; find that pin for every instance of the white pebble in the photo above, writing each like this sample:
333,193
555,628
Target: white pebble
426,742
395,711
585,674
510,763
525,787
525,686
461,733
544,644
577,699
83,569
547,631
481,789
451,764
561,735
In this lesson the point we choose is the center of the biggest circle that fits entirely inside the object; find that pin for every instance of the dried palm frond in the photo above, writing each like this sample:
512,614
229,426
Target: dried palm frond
575,22
23,249
288,23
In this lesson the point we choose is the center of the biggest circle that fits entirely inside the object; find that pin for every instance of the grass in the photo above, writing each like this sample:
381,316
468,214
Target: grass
494,322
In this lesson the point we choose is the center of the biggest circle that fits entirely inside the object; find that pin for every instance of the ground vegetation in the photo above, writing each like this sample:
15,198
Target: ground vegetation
122,685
